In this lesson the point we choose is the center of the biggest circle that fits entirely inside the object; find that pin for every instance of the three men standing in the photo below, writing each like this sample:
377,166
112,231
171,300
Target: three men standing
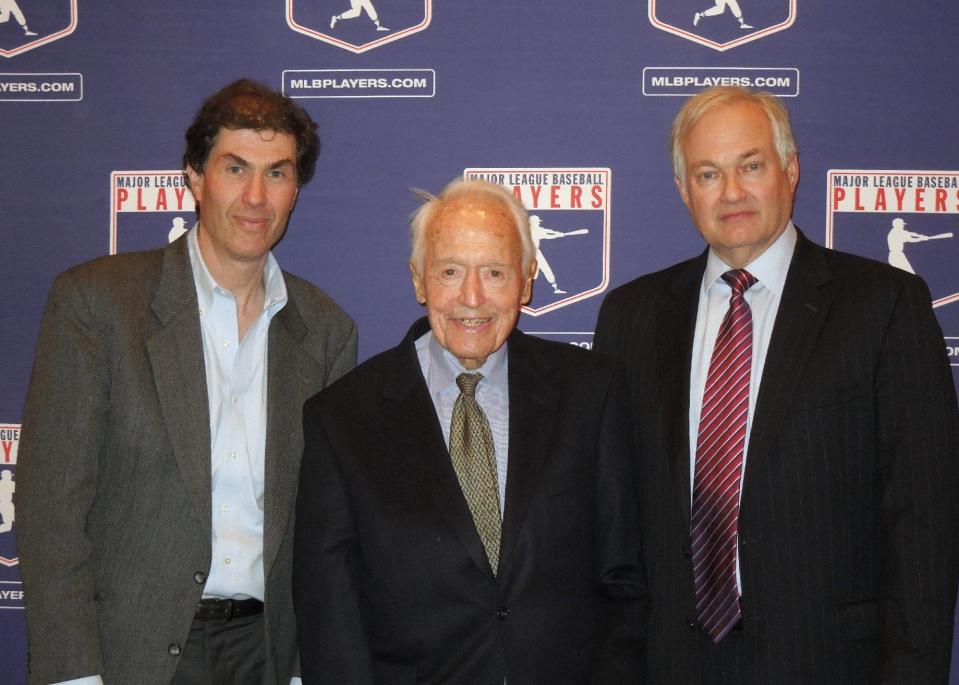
467,508
797,429
162,431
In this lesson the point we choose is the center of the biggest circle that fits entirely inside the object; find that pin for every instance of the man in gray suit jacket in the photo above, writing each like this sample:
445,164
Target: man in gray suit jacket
162,429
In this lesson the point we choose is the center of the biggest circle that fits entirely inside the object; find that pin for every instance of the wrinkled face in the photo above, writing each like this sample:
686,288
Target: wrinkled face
473,282
246,194
738,194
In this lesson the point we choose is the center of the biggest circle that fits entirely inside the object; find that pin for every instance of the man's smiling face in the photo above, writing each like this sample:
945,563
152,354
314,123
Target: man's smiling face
473,281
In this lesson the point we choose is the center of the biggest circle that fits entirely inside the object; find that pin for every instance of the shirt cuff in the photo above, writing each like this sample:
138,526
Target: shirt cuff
87,680
293,681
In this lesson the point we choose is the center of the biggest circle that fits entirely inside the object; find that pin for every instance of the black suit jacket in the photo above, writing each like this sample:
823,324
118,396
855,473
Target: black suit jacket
391,583
848,521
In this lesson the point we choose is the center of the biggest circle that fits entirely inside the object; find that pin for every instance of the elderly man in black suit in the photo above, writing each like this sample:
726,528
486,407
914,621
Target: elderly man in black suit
466,509
798,434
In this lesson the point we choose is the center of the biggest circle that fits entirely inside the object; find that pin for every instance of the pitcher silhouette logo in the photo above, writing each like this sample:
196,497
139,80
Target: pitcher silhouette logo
358,25
569,223
909,219
722,24
148,209
28,24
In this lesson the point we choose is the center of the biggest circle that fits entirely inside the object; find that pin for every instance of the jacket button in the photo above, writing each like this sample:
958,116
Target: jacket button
174,649
502,613
686,551
199,577
691,626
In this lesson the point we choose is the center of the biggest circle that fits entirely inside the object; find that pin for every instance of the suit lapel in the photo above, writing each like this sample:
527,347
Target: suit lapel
802,310
176,358
417,439
677,322
292,376
533,401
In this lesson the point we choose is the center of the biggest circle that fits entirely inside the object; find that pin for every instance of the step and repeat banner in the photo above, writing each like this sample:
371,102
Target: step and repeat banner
566,103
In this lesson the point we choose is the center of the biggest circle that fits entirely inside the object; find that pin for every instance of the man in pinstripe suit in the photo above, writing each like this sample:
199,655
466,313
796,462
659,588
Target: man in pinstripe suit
837,502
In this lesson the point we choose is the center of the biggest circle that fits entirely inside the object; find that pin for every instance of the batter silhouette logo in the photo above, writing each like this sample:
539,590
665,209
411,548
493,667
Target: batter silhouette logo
358,25
722,24
569,222
148,209
908,219
29,24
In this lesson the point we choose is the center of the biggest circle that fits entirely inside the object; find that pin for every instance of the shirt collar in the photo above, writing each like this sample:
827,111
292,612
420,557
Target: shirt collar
769,268
274,286
445,367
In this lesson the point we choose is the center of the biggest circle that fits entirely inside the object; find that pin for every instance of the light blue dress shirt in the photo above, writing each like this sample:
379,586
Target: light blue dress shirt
236,373
440,369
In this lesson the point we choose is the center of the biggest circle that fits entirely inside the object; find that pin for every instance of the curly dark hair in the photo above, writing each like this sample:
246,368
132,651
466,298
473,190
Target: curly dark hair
251,105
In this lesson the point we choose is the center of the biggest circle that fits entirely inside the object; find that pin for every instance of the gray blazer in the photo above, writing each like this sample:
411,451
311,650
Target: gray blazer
114,493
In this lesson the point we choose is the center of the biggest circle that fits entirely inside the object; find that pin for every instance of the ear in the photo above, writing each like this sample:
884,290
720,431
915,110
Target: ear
418,287
527,294
683,191
296,194
196,182
792,172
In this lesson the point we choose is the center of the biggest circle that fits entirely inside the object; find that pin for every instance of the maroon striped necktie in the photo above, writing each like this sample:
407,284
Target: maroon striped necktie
719,464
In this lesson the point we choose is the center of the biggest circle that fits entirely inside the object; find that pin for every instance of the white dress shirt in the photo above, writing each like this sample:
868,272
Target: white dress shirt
770,270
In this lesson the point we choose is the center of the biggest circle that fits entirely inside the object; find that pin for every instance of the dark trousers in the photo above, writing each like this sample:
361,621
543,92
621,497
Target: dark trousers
221,652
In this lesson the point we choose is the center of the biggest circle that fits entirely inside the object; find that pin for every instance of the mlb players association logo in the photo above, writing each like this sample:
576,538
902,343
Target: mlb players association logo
722,24
148,209
569,222
28,24
358,25
9,441
908,219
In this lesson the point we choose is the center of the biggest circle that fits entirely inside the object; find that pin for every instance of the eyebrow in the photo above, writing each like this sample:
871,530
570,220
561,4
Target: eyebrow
743,157
458,261
236,159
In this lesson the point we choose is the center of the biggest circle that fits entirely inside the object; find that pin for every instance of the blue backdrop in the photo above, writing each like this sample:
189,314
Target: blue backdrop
568,103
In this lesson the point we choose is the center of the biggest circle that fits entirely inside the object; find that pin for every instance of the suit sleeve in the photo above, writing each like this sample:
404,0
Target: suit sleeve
918,429
621,598
333,643
64,420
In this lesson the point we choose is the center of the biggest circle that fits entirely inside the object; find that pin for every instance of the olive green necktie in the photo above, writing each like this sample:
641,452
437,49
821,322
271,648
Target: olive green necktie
473,456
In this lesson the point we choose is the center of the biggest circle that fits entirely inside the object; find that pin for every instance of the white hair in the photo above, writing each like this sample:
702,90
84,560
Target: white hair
458,190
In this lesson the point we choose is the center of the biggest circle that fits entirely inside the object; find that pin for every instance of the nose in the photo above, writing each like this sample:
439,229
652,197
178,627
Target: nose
255,192
732,188
471,292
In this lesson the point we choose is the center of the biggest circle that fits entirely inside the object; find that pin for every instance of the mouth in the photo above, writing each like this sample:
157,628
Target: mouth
737,216
254,222
473,322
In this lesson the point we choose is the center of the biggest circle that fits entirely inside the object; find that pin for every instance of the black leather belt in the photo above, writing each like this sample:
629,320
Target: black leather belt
226,609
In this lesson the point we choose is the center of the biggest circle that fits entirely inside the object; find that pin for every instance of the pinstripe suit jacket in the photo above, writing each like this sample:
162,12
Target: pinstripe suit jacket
848,523
114,494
